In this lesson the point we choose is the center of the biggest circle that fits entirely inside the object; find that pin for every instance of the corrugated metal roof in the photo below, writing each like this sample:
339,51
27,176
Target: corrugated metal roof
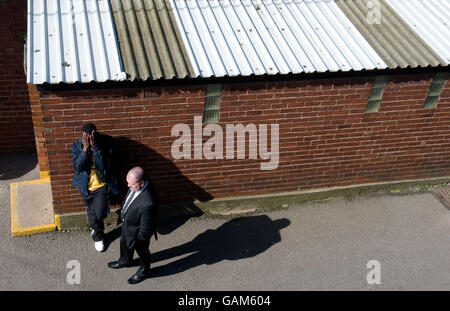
71,41
430,19
76,41
393,39
229,37
149,42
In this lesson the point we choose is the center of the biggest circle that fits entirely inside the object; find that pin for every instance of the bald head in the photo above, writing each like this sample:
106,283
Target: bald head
136,178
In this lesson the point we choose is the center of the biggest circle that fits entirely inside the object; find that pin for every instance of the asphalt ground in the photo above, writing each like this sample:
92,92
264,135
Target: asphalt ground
326,245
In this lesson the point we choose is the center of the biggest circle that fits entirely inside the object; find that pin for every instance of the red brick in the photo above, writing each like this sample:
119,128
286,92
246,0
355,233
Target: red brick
323,142
15,115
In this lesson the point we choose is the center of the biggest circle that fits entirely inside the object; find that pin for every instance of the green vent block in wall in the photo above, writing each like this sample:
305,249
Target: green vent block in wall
436,87
212,103
376,94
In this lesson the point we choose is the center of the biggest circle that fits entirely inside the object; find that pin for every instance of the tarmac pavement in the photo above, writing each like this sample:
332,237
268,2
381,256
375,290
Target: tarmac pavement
324,245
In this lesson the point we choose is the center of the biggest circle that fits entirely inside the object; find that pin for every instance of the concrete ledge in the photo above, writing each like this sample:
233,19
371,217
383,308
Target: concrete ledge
248,204
32,230
32,211
443,195
44,174
226,206
79,219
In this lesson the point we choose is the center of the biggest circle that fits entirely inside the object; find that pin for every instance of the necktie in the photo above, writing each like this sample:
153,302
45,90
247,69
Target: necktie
127,203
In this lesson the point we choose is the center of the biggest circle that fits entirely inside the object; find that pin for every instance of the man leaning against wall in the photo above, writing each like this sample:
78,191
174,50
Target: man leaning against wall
91,158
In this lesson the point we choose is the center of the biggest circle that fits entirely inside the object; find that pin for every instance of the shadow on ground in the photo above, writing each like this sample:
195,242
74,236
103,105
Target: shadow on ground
15,165
236,239
239,238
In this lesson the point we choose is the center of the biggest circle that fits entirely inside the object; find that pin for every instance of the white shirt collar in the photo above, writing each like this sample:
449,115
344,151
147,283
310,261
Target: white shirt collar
139,192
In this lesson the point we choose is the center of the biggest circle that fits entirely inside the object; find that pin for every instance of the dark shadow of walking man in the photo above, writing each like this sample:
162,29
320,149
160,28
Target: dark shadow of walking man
236,239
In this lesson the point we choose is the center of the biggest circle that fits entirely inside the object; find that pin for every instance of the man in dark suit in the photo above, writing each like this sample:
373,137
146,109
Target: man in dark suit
139,212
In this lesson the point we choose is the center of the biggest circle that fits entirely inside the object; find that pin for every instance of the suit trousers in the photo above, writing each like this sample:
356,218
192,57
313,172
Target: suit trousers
143,251
97,206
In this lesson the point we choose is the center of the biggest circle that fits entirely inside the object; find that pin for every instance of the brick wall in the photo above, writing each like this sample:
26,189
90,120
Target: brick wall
325,138
16,127
39,131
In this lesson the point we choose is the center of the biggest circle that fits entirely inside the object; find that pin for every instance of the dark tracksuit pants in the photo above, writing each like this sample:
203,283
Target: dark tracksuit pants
97,205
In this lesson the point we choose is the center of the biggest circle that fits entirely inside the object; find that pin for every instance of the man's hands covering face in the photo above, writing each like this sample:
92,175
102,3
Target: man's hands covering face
88,140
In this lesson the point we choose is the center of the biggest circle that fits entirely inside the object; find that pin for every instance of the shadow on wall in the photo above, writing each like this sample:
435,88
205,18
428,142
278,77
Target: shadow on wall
16,165
236,239
172,186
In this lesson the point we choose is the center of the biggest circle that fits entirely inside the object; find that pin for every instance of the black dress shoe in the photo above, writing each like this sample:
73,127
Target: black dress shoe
136,279
117,265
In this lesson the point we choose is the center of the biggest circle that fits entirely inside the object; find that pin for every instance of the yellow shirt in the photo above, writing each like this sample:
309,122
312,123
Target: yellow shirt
94,181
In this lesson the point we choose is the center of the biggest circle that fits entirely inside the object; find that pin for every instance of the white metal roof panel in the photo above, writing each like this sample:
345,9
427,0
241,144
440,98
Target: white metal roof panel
71,41
244,37
430,19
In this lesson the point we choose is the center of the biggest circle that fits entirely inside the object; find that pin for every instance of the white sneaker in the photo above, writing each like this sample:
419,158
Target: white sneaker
99,246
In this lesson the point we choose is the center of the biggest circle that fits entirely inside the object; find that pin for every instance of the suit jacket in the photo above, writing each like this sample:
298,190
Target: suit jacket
140,219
